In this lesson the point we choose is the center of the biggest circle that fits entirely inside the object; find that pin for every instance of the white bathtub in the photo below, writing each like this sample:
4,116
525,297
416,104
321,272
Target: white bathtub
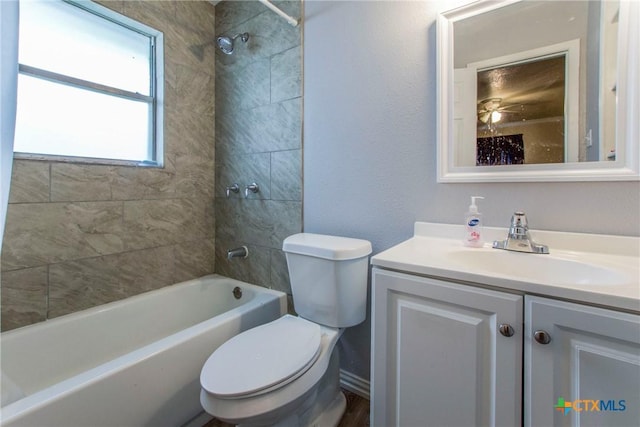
134,362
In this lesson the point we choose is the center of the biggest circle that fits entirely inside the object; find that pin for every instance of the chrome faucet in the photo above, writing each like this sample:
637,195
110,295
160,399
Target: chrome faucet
519,238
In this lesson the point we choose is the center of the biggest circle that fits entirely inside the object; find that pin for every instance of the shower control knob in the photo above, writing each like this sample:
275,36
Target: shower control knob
507,330
542,337
233,188
253,187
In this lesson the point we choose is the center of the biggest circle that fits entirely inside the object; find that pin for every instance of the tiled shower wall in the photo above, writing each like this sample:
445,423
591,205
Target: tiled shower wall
258,139
82,235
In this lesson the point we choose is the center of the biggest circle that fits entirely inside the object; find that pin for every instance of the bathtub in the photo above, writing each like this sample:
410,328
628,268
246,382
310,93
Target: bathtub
134,362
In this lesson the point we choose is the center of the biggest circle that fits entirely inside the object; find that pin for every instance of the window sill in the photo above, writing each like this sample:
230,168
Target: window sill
86,160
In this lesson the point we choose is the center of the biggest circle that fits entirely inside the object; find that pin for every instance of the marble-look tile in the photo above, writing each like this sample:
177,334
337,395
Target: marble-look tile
71,182
244,170
171,70
80,182
43,233
132,183
86,283
274,127
260,222
189,133
292,8
150,223
194,259
286,175
254,269
115,5
195,176
154,13
232,13
24,297
145,270
270,35
78,285
227,142
196,91
279,271
243,88
286,75
183,45
29,182
197,14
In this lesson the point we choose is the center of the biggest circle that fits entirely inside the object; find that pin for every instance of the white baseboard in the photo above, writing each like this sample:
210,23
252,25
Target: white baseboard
355,384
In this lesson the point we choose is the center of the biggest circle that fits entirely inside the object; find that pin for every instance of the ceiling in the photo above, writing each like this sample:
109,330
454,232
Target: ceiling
528,91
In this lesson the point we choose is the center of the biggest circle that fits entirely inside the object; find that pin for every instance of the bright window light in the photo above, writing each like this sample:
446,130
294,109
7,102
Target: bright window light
87,84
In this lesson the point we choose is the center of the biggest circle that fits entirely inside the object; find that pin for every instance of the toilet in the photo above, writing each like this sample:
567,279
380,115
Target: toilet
286,372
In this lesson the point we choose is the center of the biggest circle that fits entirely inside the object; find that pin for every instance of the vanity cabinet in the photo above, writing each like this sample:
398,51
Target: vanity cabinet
451,354
577,352
439,357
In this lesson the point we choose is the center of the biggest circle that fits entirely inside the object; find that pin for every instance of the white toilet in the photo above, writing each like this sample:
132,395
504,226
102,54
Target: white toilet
285,372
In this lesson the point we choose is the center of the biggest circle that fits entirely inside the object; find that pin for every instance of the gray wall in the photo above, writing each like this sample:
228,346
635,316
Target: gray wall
81,235
258,139
370,143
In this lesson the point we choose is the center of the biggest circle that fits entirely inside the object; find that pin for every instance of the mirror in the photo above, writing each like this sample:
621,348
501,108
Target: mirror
538,91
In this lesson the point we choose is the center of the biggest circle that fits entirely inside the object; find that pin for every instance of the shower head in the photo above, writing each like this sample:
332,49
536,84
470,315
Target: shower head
225,43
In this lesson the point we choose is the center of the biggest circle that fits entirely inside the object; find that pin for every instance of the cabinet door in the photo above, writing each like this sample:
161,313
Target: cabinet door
588,374
438,358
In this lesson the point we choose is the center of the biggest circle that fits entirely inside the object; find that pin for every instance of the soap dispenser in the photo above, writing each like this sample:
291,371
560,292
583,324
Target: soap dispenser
473,225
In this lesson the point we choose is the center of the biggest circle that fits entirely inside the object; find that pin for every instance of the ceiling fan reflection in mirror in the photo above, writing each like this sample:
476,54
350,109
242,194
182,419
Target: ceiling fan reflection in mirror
490,111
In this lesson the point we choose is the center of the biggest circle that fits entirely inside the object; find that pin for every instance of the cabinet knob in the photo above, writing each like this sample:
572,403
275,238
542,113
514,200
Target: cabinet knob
507,330
542,337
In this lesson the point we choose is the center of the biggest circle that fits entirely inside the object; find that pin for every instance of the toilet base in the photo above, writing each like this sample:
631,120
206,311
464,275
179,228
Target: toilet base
322,406
333,414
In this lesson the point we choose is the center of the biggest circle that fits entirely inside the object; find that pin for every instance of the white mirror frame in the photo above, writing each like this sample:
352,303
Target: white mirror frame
626,167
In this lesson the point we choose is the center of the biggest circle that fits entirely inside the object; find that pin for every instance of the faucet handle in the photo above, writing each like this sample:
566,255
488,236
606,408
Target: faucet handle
233,188
253,187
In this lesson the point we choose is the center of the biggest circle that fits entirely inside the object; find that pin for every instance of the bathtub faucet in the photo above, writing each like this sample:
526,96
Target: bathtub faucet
241,252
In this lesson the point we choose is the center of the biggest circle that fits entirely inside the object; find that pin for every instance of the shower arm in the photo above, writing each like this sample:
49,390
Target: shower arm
274,8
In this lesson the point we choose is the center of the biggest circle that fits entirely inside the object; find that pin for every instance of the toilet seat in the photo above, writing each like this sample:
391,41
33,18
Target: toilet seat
262,359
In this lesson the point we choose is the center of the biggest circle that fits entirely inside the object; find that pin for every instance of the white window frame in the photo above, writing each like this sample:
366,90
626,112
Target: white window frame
155,99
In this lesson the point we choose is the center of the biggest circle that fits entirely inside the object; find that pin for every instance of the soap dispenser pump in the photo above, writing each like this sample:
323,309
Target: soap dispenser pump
473,225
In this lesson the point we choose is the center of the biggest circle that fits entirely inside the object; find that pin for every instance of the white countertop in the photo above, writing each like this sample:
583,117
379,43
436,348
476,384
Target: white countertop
606,268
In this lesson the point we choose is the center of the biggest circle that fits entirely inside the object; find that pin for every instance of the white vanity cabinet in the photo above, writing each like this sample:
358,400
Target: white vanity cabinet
444,354
484,337
587,357
450,354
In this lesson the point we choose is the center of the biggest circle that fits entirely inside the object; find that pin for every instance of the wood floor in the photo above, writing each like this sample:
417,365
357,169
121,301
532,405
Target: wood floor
356,415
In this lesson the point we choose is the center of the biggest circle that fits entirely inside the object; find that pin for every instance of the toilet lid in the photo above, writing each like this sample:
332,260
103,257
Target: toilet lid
262,357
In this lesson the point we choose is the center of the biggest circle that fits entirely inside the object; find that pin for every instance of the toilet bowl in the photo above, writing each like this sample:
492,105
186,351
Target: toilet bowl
275,389
286,372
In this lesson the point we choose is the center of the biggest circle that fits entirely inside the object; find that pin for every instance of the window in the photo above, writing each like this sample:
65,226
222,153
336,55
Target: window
88,85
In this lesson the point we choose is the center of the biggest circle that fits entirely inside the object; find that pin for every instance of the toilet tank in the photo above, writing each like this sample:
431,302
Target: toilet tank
328,277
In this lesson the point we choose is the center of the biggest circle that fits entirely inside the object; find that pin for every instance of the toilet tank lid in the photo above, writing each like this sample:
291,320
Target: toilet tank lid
327,247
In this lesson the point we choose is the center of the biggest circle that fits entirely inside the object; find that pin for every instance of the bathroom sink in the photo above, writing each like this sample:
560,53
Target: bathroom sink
595,269
548,269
